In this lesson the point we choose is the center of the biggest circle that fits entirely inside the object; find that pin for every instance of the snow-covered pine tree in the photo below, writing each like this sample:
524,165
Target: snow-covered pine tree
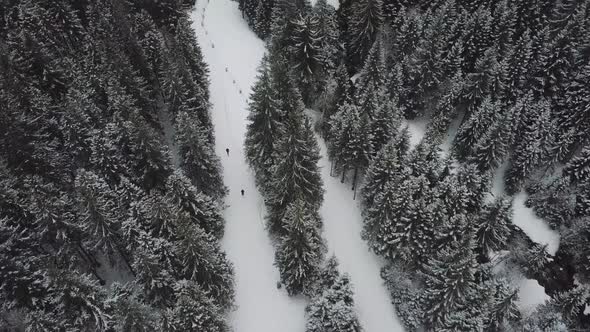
130,313
341,95
300,249
544,318
450,286
578,168
480,82
386,167
504,311
351,141
493,146
532,147
193,311
385,120
381,217
154,271
201,209
198,158
81,299
364,20
100,213
264,127
493,230
372,75
330,48
474,127
201,260
571,304
296,174
305,54
407,234
333,310
262,18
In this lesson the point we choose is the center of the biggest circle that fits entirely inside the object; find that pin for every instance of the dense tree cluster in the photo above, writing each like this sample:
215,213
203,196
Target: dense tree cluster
98,229
283,151
513,76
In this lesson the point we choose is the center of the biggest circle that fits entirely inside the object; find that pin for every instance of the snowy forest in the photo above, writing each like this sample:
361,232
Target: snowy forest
502,89
103,226
460,130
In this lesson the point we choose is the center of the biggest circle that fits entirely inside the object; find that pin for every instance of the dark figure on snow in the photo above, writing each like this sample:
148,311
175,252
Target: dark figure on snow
242,192
227,151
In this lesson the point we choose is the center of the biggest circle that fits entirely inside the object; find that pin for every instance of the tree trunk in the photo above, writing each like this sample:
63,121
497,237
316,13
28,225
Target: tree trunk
354,178
343,175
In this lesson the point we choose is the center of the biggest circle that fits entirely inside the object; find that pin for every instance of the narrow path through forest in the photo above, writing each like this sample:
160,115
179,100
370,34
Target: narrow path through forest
228,44
233,53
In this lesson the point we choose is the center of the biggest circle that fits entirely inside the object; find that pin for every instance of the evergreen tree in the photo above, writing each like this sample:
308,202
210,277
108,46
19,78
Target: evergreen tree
330,48
131,314
264,127
504,312
300,250
385,168
578,168
571,304
532,148
451,286
198,160
364,20
333,310
494,228
296,174
491,149
201,261
200,208
474,127
305,53
193,311
407,234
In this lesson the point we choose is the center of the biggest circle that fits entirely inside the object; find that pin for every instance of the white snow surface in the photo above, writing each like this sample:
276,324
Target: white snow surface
536,228
227,42
531,294
334,3
342,230
417,129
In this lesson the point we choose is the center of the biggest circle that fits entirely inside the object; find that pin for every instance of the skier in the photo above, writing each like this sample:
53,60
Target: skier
227,151
242,192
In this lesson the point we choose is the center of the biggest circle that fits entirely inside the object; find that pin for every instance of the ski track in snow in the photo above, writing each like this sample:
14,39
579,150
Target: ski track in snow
227,42
342,229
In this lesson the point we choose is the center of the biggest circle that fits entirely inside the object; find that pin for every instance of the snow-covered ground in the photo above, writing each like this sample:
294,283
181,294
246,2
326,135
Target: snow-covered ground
334,3
417,129
534,227
530,294
227,42
342,226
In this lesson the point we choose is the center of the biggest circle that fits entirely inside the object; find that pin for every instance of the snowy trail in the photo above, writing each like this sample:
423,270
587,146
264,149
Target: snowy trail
227,42
342,230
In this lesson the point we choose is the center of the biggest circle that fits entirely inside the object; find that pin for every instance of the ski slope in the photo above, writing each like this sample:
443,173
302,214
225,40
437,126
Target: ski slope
342,230
233,53
227,42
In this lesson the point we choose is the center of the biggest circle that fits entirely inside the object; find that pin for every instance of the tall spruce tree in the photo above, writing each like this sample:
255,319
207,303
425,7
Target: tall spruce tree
300,250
